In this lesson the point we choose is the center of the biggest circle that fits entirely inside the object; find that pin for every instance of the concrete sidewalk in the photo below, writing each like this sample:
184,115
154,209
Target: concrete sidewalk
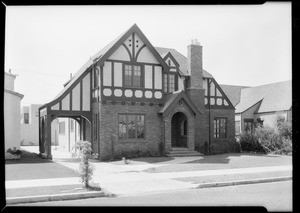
154,175
125,183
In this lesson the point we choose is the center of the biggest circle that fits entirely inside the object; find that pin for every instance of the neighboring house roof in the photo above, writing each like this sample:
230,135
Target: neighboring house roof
276,97
173,98
233,92
14,93
181,59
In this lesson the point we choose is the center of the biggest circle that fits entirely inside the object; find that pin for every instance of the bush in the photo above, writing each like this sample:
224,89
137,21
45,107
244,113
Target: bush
250,143
14,151
129,154
86,169
269,140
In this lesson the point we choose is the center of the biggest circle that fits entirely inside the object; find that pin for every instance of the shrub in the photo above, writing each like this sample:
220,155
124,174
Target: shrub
266,139
14,151
284,128
250,143
86,169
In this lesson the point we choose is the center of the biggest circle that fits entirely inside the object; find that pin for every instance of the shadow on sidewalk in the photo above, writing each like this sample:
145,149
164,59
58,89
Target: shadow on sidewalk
152,160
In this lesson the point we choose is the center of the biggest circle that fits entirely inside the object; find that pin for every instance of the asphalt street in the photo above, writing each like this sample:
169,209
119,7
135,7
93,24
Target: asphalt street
275,196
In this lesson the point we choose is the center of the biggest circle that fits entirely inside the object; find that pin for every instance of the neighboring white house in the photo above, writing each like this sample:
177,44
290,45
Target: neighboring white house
12,116
30,125
64,133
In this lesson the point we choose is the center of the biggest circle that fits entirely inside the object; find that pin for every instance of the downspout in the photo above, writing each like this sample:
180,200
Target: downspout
69,120
209,122
98,101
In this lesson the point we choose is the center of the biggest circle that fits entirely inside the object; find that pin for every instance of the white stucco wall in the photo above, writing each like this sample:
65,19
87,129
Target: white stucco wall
30,132
120,54
65,142
146,56
180,83
12,118
271,117
86,98
158,77
9,81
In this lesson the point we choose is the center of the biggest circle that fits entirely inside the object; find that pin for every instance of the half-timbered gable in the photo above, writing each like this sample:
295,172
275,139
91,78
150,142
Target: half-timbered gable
215,98
133,72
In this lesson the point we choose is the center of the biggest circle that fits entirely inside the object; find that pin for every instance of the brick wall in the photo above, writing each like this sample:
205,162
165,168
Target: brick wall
111,145
222,145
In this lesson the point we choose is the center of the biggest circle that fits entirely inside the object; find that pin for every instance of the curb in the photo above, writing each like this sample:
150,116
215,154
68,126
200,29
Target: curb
242,182
55,197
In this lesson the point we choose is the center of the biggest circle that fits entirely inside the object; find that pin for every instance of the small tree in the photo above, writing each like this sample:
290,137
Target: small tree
86,169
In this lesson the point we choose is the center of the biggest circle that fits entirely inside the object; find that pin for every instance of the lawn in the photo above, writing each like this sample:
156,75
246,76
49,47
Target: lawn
31,166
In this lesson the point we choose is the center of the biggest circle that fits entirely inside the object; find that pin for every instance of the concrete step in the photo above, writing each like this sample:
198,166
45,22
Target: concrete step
179,149
183,153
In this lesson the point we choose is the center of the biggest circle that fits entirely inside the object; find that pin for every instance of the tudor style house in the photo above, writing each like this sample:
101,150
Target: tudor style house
133,96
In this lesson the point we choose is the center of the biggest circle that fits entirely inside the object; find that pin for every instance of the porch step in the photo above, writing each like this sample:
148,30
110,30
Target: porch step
182,152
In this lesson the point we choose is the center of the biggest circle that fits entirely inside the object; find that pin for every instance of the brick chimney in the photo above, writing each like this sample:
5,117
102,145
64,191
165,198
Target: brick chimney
195,91
194,87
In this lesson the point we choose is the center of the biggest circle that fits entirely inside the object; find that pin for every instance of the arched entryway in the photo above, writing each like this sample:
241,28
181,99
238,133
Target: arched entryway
179,130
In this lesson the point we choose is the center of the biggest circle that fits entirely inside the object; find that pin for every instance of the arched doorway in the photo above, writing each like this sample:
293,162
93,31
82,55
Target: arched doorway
179,130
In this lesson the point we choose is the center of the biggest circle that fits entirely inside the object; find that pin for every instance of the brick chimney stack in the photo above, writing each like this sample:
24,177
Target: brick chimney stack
195,90
194,64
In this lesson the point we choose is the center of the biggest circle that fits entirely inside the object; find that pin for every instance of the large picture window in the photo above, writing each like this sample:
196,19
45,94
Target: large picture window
220,128
131,126
132,76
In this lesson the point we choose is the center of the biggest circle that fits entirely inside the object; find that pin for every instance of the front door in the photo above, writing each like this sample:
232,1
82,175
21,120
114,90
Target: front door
179,130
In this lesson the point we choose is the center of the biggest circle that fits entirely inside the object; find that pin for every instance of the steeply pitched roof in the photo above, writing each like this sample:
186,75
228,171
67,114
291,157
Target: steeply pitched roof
91,61
233,92
276,97
181,59
109,49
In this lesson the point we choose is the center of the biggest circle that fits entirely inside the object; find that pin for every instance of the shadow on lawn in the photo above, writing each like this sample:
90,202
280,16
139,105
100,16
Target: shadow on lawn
225,158
153,159
28,157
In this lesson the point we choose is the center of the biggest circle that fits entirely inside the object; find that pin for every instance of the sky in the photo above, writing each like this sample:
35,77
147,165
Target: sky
246,45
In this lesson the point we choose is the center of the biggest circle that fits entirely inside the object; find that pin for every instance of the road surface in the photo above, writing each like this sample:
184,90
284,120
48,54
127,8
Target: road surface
275,196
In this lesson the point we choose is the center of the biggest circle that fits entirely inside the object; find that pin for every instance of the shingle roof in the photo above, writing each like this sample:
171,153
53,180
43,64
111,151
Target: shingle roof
92,60
276,97
233,92
181,59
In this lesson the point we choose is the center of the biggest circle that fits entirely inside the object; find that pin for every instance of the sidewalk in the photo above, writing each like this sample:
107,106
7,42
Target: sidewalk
154,175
